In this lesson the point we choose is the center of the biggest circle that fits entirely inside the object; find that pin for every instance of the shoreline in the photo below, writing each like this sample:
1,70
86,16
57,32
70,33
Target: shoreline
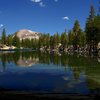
53,51
15,49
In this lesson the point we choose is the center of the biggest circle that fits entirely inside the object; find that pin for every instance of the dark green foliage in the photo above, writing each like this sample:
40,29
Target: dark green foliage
16,41
97,28
3,38
76,37
92,30
76,31
29,43
70,37
92,13
76,27
22,43
64,40
47,41
82,38
51,42
9,40
56,39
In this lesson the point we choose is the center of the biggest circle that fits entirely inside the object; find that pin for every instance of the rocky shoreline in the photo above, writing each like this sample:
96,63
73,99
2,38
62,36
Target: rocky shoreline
81,51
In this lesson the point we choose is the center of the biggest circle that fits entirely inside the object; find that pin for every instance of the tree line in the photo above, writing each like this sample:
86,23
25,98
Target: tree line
75,38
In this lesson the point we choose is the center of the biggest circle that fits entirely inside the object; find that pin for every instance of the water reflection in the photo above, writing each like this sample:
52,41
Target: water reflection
76,64
23,62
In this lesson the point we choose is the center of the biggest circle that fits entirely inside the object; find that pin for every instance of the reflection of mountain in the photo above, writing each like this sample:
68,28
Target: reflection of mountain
27,62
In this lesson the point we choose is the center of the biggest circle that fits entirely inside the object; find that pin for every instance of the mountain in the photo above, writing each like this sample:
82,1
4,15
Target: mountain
27,34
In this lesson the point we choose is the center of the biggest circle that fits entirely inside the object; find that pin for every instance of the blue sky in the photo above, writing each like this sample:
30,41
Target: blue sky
46,16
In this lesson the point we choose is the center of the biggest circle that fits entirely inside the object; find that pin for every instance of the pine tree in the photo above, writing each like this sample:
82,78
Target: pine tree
70,37
48,40
56,39
82,38
9,40
51,42
92,30
3,38
76,30
76,27
92,13
64,40
16,41
22,43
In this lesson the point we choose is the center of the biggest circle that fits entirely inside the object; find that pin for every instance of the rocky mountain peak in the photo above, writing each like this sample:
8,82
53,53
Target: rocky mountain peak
27,34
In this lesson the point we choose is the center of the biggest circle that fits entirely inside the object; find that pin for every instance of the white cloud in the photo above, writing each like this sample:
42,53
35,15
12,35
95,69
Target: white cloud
56,0
36,1
42,4
1,25
65,18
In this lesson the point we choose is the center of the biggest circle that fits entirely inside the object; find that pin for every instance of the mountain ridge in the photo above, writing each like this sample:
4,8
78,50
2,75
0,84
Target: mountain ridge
27,34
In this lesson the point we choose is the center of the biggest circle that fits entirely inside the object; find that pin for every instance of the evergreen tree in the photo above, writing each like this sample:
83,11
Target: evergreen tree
76,30
92,30
0,40
70,37
32,43
56,39
22,43
3,38
92,13
64,40
82,38
9,40
89,25
48,40
76,27
42,41
51,42
16,41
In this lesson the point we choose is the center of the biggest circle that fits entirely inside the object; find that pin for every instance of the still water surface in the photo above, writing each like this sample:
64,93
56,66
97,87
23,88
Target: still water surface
49,73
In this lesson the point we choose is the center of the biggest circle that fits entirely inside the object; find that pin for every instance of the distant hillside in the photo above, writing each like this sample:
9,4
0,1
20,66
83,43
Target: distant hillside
27,34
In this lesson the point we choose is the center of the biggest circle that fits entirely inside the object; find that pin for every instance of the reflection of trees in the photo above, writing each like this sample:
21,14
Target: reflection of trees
88,65
94,86
16,56
8,57
3,60
76,63
76,74
64,60
53,59
44,58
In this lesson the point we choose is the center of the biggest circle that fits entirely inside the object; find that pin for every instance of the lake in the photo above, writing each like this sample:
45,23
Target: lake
49,73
